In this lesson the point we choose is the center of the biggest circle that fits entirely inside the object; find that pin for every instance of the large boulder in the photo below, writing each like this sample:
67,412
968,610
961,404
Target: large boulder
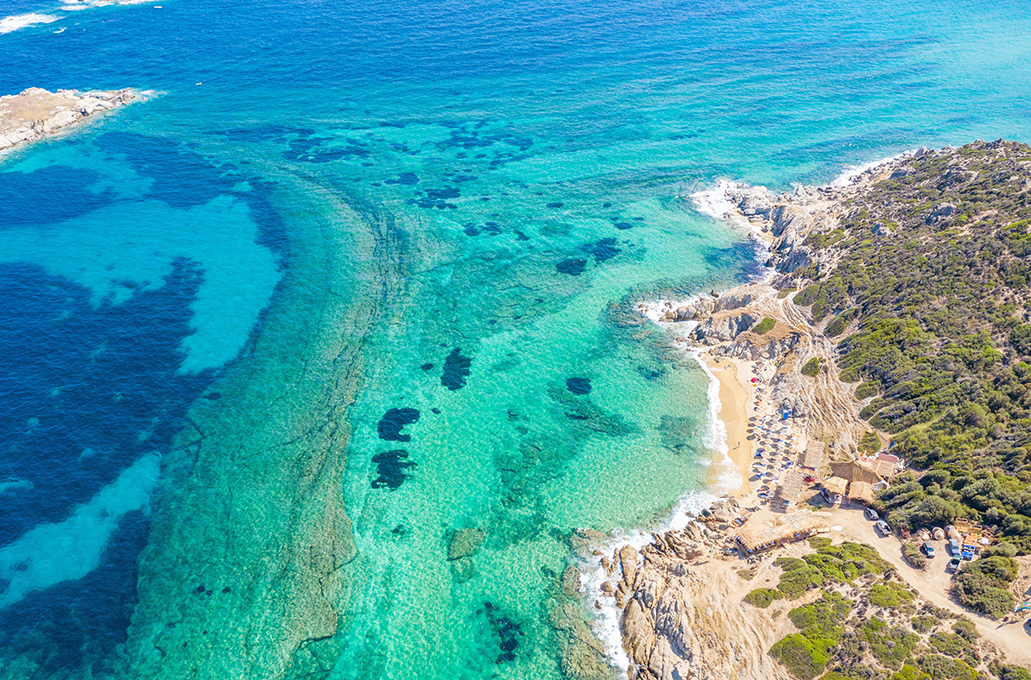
628,561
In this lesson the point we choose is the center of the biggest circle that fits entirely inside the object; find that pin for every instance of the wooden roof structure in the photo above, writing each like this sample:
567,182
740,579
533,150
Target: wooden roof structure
794,526
835,485
861,491
789,489
856,471
812,457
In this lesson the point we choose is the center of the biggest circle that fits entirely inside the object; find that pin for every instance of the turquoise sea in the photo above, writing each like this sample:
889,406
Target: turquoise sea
359,278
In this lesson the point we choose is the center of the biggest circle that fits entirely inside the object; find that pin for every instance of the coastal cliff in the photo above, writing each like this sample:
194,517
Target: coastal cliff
895,308
36,113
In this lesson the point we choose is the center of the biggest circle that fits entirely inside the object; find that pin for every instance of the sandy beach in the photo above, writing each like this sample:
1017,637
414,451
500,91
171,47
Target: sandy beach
734,403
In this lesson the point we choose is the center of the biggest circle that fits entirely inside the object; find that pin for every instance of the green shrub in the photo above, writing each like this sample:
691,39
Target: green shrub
913,556
949,644
811,368
891,646
803,658
933,511
867,389
891,595
910,673
870,443
1012,673
822,618
764,326
983,585
966,628
944,668
763,597
923,624
798,577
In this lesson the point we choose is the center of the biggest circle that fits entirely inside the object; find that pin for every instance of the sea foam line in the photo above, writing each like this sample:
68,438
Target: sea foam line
18,21
593,575
852,172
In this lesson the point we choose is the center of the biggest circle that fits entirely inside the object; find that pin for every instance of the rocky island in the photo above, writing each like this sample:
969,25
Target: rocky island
893,316
35,112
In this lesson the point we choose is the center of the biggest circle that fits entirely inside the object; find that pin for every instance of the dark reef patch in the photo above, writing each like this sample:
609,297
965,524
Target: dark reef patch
456,370
427,367
602,250
406,179
507,632
392,467
571,266
315,149
624,226
393,421
555,205
578,385
436,198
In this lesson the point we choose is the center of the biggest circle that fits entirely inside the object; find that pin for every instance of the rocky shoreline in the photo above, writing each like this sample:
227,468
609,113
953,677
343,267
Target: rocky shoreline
679,596
36,113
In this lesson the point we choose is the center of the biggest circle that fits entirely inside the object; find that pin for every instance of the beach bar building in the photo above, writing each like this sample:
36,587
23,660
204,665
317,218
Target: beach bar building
795,526
813,456
861,491
857,471
833,489
788,491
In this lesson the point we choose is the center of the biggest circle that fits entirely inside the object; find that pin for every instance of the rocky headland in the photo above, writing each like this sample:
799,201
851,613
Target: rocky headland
36,113
859,320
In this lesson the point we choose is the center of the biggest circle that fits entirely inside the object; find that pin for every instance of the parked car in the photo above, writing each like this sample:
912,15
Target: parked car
883,527
928,549
953,564
871,514
954,547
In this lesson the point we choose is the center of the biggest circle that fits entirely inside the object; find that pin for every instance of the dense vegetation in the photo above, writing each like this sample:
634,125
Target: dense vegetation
928,292
983,585
857,629
831,564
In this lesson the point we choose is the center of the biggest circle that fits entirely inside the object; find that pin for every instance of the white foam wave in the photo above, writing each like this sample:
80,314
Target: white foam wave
716,202
13,23
852,172
606,623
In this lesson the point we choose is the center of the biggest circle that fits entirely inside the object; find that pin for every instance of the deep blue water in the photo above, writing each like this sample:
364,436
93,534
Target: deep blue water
534,152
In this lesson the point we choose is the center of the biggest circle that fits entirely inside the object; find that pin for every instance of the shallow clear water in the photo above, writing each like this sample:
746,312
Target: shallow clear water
466,197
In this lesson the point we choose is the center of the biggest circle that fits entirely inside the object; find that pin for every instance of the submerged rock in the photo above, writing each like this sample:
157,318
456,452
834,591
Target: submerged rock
456,370
578,385
392,467
465,543
392,422
572,266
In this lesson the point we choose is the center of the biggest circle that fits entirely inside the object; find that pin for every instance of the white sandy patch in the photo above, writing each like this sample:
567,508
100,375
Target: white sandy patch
66,551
